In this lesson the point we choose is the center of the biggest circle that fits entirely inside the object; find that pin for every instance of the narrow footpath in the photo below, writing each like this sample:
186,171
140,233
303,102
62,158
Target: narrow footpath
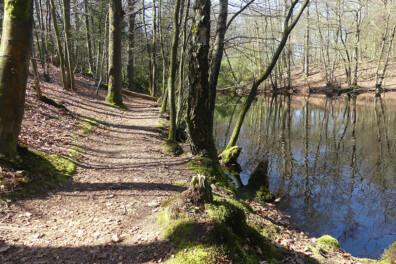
104,214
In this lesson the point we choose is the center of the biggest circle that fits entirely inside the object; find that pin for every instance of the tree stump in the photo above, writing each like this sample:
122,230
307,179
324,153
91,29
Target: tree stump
199,191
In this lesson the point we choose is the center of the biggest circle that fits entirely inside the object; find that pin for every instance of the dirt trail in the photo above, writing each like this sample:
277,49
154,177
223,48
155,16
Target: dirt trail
105,213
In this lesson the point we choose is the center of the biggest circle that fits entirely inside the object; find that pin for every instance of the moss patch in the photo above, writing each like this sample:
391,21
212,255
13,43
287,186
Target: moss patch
119,106
172,147
389,255
38,172
230,156
329,241
87,124
220,234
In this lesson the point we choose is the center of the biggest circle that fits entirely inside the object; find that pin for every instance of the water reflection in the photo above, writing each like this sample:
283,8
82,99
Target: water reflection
332,162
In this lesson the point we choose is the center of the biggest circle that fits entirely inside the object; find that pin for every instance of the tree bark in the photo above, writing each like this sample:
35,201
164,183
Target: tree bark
15,51
131,39
172,72
199,101
153,89
88,35
114,95
69,63
60,49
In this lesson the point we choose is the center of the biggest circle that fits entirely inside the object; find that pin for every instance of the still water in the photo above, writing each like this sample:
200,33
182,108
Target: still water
332,162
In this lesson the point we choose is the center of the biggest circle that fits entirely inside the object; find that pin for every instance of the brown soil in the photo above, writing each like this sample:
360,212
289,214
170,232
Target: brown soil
104,214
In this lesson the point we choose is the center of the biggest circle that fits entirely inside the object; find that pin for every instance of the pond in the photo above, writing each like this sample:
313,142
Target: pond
332,162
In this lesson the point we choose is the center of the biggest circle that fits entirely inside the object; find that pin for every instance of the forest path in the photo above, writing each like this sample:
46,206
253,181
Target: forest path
105,213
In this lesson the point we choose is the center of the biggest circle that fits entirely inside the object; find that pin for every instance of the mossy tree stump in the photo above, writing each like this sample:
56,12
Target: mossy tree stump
199,191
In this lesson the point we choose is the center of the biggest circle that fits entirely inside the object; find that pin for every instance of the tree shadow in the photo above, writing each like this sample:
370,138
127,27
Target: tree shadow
110,253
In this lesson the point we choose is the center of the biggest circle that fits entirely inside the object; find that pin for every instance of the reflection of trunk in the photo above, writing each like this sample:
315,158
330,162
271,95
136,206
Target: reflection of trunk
15,51
264,75
378,115
323,121
306,148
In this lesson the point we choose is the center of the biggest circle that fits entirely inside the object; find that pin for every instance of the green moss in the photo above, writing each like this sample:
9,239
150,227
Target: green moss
196,253
93,121
264,195
172,147
110,101
389,255
42,172
18,9
230,156
229,214
87,124
328,240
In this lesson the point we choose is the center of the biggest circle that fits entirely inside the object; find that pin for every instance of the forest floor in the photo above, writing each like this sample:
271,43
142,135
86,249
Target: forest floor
107,212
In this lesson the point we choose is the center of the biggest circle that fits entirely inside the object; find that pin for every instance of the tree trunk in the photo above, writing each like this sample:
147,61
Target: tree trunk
131,38
264,75
69,63
15,51
37,85
153,90
88,35
60,50
180,107
199,101
114,95
164,102
217,56
307,47
172,72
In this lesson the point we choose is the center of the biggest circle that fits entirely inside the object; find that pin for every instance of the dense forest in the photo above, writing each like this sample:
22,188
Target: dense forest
218,117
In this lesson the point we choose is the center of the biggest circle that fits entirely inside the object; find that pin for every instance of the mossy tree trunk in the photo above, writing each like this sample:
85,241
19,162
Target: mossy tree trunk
114,95
69,55
172,72
264,75
199,112
59,45
15,51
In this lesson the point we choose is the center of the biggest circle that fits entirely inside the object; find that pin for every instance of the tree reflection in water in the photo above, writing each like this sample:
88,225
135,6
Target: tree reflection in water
331,160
